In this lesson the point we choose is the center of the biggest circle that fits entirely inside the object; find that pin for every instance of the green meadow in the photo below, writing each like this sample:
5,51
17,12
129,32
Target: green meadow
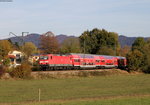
97,90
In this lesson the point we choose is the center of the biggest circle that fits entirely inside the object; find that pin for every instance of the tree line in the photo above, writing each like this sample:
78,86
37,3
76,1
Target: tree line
95,41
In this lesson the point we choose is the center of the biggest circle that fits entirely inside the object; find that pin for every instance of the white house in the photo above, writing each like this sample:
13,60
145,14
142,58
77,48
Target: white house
15,57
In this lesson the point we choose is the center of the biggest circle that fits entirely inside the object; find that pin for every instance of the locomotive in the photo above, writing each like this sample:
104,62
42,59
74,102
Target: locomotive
80,61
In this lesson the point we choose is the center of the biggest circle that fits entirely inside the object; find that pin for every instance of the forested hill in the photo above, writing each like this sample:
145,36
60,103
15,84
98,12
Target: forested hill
35,38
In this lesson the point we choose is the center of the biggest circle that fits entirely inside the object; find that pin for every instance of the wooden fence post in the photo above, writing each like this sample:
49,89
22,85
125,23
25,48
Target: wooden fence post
39,94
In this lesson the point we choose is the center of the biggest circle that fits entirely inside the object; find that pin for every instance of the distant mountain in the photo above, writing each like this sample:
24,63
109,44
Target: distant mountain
35,38
62,37
124,40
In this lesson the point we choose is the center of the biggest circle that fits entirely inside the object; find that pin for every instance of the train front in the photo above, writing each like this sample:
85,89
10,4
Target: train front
44,61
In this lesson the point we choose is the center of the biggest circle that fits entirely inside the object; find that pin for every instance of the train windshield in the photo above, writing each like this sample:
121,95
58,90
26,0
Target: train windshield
43,57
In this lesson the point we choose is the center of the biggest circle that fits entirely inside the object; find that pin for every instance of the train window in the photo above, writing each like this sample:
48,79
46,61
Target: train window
103,61
97,60
109,63
84,63
77,60
43,57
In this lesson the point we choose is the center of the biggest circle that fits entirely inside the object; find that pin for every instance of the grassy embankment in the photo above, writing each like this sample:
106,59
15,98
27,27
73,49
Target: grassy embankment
105,90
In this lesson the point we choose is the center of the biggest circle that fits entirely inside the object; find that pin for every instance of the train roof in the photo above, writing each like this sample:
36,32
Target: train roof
83,55
88,55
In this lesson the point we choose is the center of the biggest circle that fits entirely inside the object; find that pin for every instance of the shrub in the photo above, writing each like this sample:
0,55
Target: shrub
21,71
135,60
6,62
36,67
2,70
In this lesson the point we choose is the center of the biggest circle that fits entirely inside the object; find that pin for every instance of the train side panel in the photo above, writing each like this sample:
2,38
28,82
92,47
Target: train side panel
53,61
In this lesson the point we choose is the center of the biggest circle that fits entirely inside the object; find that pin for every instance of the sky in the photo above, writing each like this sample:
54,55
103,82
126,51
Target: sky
73,17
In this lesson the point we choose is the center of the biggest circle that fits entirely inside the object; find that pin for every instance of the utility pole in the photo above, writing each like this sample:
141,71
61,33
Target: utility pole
23,36
24,33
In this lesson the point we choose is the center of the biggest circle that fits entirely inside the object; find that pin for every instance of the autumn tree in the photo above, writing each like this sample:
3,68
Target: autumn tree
5,47
71,45
29,48
96,40
49,43
15,45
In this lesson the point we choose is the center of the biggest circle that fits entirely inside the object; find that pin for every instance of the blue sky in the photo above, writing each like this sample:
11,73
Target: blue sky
72,17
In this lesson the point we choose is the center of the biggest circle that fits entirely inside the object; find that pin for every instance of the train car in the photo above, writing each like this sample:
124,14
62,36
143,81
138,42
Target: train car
75,61
83,60
110,62
100,61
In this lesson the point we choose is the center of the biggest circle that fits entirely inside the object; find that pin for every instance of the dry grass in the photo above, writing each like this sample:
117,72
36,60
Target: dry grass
77,73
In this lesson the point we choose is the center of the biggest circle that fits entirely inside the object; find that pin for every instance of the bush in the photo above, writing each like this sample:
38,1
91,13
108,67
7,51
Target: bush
2,70
135,60
21,71
6,62
36,67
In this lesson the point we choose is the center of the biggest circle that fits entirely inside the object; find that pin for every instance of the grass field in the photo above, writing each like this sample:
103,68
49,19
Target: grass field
142,100
108,90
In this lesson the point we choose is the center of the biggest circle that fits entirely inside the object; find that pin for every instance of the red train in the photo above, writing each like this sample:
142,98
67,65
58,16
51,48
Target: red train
80,61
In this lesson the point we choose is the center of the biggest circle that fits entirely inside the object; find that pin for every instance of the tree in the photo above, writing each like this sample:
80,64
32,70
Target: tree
29,48
94,41
139,56
134,60
14,45
138,44
5,47
146,52
71,45
106,51
49,43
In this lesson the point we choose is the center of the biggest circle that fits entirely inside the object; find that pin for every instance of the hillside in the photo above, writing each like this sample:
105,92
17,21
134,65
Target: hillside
124,40
35,38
